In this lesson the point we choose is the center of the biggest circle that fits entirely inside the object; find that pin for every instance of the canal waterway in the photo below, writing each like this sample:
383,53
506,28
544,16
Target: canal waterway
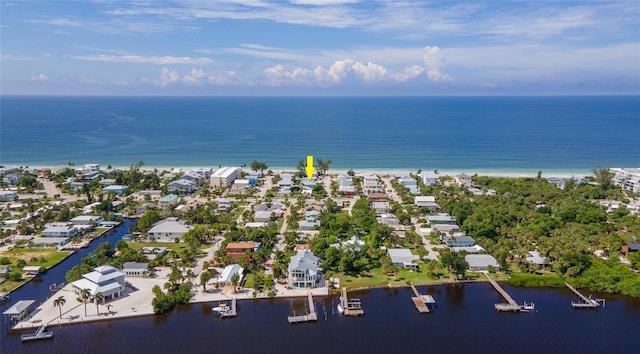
463,322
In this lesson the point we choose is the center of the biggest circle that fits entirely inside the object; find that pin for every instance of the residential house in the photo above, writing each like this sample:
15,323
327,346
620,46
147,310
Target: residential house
308,225
312,215
60,231
135,269
104,279
264,216
376,197
228,272
430,178
168,230
381,207
441,218
534,257
629,248
235,250
8,196
86,220
445,228
116,189
481,262
168,200
303,270
463,179
458,240
388,219
240,186
224,204
402,257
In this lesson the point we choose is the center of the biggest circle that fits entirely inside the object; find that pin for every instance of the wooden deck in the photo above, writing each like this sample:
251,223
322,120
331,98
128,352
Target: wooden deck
231,312
587,302
311,316
352,307
422,302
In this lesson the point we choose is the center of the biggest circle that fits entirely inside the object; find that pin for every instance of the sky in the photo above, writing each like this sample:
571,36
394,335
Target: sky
319,47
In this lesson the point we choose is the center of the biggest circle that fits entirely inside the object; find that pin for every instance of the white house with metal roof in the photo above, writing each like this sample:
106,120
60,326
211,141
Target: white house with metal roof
168,230
481,262
402,257
303,270
104,279
228,272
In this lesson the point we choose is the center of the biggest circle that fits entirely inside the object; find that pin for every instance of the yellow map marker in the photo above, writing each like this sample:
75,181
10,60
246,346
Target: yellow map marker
310,169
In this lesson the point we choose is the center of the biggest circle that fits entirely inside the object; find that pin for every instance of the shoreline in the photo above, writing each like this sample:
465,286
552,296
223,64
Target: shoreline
501,173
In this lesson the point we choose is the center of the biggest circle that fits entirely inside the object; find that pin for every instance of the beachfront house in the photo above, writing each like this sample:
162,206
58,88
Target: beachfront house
402,257
182,186
104,279
481,262
371,184
303,270
430,178
168,230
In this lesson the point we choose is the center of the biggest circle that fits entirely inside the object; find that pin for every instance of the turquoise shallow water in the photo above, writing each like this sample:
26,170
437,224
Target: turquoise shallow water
500,134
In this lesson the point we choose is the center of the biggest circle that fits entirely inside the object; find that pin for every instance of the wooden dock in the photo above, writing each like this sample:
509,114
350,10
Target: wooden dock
422,302
587,302
39,334
225,311
511,305
311,316
352,307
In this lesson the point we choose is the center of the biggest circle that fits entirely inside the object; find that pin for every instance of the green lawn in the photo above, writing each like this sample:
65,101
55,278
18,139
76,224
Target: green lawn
376,278
46,257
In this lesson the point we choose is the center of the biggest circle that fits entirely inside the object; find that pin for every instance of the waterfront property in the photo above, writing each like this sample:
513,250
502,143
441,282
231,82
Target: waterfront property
60,231
18,311
228,272
224,176
402,257
303,270
104,279
481,262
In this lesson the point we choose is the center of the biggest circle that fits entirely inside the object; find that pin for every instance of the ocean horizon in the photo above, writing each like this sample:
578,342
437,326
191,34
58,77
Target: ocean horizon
560,135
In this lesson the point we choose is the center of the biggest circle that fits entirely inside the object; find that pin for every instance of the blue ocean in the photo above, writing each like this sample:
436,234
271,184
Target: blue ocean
493,134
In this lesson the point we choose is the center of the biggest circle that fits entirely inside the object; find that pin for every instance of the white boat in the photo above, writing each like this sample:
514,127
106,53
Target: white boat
528,307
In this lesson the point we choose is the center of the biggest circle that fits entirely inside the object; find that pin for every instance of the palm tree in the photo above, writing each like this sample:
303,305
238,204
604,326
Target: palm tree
98,297
234,281
84,295
59,302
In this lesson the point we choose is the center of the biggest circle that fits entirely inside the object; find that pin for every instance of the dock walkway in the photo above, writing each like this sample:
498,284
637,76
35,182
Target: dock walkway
587,302
311,316
421,302
226,311
511,304
39,334
352,307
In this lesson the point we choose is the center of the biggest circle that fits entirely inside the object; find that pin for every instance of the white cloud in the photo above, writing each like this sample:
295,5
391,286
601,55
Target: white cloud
196,76
323,2
137,59
41,77
168,77
433,61
13,57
